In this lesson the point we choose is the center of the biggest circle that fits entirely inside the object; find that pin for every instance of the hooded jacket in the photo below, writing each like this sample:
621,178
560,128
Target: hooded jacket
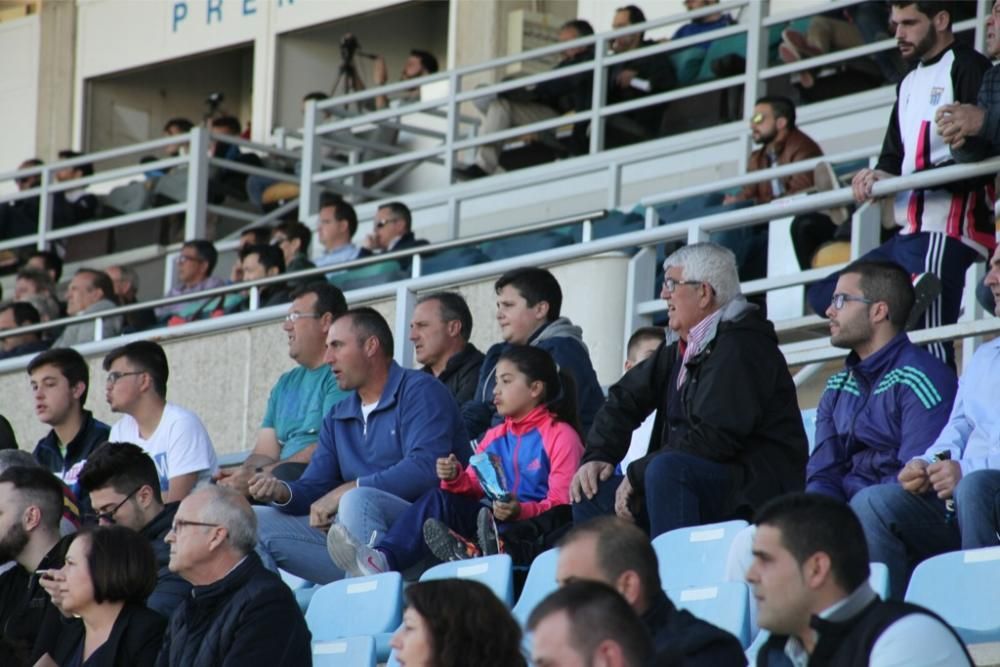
877,414
739,406
461,373
564,341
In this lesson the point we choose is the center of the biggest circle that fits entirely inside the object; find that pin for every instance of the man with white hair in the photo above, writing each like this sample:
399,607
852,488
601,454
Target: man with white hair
239,613
728,433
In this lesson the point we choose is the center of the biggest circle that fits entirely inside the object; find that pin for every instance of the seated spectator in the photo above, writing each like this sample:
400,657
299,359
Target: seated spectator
892,399
376,454
13,315
48,310
82,205
643,344
108,573
781,142
124,489
810,579
31,281
301,397
238,613
730,440
956,478
226,182
174,437
195,264
539,102
125,281
260,235
440,330
610,551
337,224
538,448
393,231
172,128
32,502
706,23
20,217
529,302
635,79
455,622
259,261
587,623
90,291
60,380
293,238
7,438
48,261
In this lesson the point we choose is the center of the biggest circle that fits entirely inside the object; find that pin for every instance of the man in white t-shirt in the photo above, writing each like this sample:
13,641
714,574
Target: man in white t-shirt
174,437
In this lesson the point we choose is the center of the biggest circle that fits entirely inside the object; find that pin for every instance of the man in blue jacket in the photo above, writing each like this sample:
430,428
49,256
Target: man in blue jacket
892,398
377,452
529,301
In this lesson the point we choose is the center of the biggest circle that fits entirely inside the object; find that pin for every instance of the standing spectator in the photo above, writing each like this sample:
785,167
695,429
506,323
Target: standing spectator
293,238
301,397
195,264
60,380
337,225
12,316
82,205
238,612
126,285
810,578
440,330
174,437
932,238
124,489
731,434
90,291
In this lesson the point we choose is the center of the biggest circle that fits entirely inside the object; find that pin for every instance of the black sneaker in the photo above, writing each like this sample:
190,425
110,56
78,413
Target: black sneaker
470,172
446,544
486,533
926,288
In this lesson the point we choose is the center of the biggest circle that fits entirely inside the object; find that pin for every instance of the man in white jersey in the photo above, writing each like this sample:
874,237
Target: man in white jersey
173,437
945,229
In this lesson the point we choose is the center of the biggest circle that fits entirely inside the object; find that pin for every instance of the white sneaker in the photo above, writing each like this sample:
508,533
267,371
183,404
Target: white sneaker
343,550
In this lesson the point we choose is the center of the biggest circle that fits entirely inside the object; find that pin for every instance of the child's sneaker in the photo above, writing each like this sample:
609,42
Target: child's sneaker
371,561
446,544
486,532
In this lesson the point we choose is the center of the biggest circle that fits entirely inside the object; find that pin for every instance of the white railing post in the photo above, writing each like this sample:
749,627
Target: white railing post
197,185
753,87
406,301
639,276
254,298
614,185
454,221
451,128
866,229
597,98
983,8
308,191
99,328
44,208
971,310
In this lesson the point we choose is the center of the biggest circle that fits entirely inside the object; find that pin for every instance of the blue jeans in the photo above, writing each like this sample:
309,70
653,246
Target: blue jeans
289,542
685,490
404,543
977,504
902,529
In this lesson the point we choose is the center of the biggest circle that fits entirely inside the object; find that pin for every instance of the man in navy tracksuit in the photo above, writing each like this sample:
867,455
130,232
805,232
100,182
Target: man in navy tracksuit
891,400
943,230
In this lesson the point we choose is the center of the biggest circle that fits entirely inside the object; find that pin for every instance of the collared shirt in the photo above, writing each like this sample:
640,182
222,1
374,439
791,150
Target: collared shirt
698,337
210,282
344,253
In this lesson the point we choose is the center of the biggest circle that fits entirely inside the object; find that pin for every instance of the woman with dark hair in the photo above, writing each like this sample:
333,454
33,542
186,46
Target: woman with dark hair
455,622
108,574
520,474
7,438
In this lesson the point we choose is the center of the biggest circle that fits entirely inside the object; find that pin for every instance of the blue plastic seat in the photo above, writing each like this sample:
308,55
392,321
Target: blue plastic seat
368,275
963,587
360,606
878,579
454,258
496,572
344,652
726,605
809,422
617,222
524,244
695,556
687,63
540,582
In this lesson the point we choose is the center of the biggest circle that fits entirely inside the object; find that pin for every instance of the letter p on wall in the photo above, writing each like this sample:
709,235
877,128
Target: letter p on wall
180,13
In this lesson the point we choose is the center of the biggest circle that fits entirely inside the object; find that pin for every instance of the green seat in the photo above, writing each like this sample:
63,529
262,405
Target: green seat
687,63
368,275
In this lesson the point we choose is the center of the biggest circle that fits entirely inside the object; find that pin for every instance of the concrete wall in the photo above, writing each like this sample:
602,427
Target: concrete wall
225,377
19,80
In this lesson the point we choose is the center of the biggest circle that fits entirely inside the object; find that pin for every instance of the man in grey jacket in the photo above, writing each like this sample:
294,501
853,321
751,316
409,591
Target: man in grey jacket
90,291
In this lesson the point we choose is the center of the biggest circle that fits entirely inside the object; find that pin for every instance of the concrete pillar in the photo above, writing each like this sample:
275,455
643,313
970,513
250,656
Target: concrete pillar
56,57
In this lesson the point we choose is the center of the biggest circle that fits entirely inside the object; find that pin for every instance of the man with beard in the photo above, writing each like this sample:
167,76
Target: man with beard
943,230
31,501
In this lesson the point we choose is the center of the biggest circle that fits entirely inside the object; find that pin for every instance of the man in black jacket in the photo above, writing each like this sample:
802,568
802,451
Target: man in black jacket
440,331
613,552
728,434
124,489
810,579
238,613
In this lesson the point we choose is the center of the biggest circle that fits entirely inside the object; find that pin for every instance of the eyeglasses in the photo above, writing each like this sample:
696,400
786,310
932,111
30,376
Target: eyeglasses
839,300
379,224
115,376
109,516
669,284
294,316
178,524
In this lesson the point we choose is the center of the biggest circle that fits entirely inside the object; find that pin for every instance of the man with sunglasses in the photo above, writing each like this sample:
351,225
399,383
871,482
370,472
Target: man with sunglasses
195,264
124,489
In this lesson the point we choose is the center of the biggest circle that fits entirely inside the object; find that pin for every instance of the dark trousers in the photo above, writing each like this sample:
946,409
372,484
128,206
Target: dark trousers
809,232
924,252
404,543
